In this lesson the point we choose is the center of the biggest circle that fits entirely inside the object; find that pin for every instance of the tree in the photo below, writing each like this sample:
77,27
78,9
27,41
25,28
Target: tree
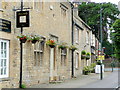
90,13
116,37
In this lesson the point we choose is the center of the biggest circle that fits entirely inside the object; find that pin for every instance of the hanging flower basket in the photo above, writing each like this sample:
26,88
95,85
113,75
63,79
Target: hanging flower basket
52,46
34,41
63,46
73,48
51,43
87,56
34,38
22,38
83,54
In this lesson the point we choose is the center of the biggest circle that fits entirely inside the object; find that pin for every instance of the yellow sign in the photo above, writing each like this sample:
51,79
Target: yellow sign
101,57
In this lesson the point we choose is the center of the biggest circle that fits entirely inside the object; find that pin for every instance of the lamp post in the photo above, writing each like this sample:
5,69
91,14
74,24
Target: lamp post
21,52
72,67
101,74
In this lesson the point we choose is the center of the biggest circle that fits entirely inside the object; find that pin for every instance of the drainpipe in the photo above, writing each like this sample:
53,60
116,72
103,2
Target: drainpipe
72,33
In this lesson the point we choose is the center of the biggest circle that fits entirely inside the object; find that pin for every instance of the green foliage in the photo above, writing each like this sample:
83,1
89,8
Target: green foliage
87,56
92,67
109,47
72,47
34,37
23,86
116,37
21,37
63,45
90,13
83,52
98,63
51,42
86,70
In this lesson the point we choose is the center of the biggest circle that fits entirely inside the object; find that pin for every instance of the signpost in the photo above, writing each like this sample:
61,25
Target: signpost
101,57
22,20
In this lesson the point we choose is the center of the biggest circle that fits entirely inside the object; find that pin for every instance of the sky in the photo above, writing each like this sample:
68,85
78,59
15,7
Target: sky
112,1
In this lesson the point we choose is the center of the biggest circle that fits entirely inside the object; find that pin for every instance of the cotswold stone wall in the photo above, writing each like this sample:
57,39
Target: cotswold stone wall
44,21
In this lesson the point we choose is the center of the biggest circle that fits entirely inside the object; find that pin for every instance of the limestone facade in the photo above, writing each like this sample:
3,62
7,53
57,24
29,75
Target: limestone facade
42,64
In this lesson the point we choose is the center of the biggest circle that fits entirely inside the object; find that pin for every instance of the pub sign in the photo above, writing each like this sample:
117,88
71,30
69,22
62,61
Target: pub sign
22,19
5,25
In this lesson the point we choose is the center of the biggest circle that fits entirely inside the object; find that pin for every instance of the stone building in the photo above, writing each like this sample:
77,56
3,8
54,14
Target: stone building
82,40
93,48
41,63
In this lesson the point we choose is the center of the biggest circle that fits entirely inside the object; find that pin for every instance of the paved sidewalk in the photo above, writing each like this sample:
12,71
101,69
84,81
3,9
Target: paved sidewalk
74,82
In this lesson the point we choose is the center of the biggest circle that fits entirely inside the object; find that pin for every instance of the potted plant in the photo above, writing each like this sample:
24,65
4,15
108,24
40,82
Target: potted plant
63,46
34,38
92,67
83,54
87,56
98,67
98,63
86,70
72,47
51,43
22,38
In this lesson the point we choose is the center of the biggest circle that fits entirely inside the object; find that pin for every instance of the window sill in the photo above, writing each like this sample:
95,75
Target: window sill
5,79
1,10
76,68
63,54
77,42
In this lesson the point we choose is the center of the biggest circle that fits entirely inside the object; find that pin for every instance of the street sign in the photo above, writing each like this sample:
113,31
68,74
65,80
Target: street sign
22,19
101,57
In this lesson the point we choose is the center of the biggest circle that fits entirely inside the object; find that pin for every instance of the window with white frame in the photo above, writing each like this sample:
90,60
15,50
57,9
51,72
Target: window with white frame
63,56
77,61
77,35
38,53
4,58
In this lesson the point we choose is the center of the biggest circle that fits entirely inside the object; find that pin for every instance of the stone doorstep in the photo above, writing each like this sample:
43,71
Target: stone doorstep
55,79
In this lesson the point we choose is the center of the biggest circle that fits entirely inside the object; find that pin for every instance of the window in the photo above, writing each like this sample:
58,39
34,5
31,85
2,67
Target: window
38,5
63,10
77,61
4,58
63,56
87,37
38,53
77,35
0,4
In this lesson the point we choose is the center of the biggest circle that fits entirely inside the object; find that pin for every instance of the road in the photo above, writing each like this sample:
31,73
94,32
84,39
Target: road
110,80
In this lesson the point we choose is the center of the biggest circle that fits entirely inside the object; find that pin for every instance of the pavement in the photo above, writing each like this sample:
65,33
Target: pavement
86,81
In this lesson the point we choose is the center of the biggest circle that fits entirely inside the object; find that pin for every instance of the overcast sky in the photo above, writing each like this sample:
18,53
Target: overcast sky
112,1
